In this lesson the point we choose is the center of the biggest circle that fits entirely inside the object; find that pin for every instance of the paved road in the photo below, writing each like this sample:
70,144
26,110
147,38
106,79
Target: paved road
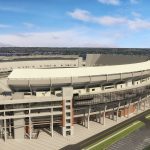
105,133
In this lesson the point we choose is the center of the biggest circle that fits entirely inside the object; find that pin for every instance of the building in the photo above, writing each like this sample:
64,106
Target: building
7,64
60,97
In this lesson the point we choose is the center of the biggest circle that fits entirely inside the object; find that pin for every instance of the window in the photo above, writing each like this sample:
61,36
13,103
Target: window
68,121
68,133
68,114
68,107
67,127
68,101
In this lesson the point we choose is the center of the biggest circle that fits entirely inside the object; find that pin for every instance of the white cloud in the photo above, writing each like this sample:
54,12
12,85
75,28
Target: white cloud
133,24
5,26
110,2
134,1
67,38
12,9
136,14
139,24
85,15
80,14
109,20
28,25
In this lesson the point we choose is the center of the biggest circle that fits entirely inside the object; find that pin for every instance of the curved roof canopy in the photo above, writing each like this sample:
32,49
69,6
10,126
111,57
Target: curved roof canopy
78,72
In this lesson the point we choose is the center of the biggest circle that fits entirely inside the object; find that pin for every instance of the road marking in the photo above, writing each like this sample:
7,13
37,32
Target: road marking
113,135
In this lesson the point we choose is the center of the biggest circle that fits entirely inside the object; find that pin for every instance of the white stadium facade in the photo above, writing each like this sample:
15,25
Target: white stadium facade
58,92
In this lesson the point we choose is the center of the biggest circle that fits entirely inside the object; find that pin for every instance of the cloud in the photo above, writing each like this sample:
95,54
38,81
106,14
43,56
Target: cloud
136,14
12,9
134,1
110,2
133,24
29,25
67,38
80,14
5,45
5,26
84,15
139,24
109,20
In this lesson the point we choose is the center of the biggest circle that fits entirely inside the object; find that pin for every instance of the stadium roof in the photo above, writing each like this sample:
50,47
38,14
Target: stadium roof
76,72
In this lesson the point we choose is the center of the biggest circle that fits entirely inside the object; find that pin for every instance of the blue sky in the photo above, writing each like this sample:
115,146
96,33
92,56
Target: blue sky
75,23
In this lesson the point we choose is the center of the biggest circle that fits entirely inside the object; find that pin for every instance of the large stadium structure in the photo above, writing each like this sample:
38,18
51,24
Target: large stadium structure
35,95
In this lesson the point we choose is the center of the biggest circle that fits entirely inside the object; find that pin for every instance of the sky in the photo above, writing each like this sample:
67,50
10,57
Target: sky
75,23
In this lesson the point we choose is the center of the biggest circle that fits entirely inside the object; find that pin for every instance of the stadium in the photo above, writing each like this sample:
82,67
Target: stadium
54,93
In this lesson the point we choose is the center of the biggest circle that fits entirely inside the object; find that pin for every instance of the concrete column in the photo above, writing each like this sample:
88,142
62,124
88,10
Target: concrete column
144,104
128,109
19,123
30,124
1,127
67,117
117,111
124,110
88,117
30,128
99,116
10,131
5,130
51,126
149,101
83,119
138,106
104,114
5,126
113,113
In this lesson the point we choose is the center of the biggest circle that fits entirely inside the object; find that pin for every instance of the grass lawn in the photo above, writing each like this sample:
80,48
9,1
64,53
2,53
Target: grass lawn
116,136
147,148
148,117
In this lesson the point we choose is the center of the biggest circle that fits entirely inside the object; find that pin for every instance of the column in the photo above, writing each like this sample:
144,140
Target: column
51,126
144,104
113,113
30,128
117,111
1,127
88,117
5,128
19,123
10,131
104,114
128,109
67,117
138,106
30,124
99,116
83,119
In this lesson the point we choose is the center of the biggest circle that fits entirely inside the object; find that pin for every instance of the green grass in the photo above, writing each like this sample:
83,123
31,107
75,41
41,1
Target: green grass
147,117
147,148
115,138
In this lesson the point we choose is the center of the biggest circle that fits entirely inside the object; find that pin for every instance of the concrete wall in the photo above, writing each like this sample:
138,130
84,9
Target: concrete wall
56,63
